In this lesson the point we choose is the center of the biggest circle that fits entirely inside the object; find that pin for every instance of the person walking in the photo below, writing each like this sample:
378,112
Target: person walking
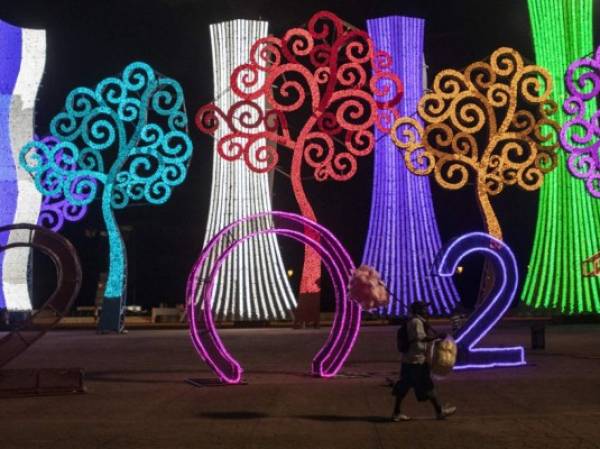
413,337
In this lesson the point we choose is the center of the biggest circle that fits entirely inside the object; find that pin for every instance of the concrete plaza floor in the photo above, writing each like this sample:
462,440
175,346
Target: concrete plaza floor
137,397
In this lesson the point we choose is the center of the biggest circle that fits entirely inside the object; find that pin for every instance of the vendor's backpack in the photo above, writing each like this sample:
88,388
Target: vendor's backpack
402,341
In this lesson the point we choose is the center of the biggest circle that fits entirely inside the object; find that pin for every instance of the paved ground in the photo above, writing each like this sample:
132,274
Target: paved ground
138,399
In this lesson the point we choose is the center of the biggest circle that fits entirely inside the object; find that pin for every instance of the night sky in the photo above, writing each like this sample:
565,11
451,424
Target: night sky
90,40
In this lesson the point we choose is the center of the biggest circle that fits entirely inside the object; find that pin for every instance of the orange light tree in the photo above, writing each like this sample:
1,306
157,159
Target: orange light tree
489,124
330,82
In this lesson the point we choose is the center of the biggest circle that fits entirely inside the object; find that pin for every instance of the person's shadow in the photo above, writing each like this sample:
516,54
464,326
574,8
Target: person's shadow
340,418
234,415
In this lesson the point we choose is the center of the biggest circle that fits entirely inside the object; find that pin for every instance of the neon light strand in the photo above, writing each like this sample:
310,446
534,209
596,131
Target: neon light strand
23,55
56,209
403,236
566,230
252,284
205,338
493,306
319,73
137,124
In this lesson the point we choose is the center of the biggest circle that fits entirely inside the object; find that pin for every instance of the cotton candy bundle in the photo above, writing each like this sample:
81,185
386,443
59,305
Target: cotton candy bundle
367,288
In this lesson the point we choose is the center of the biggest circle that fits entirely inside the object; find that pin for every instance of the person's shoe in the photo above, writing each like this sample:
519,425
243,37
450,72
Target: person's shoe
448,410
397,417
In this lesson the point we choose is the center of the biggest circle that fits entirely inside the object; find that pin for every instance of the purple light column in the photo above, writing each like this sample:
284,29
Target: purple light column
403,237
10,63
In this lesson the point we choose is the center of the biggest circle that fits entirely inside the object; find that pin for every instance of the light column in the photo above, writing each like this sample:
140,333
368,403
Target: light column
25,51
567,224
252,283
403,237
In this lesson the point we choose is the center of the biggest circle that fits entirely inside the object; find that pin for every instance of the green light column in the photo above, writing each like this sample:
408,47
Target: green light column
567,226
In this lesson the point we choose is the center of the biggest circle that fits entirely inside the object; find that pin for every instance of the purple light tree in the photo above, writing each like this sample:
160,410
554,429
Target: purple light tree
56,209
580,136
403,236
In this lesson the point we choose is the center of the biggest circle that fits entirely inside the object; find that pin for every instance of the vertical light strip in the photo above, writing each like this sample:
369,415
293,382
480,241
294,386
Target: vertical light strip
567,226
403,237
10,55
15,264
252,284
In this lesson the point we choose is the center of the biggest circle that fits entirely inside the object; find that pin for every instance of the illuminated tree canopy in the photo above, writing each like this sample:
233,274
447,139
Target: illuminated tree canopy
580,135
127,139
489,124
56,209
321,104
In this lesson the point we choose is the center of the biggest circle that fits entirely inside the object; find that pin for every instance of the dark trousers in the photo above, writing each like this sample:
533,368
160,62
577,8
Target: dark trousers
418,377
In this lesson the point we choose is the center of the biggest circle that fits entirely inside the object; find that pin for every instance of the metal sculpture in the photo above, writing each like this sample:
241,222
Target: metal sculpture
68,272
493,306
56,209
346,324
504,104
580,135
321,104
129,136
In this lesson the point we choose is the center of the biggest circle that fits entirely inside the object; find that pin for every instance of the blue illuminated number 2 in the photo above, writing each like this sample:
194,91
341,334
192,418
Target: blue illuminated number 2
493,307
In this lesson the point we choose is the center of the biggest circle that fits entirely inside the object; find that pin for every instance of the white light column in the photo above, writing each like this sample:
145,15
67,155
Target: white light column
252,284
21,123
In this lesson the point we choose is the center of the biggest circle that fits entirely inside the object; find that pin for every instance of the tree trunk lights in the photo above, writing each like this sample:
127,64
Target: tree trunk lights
567,225
403,237
252,283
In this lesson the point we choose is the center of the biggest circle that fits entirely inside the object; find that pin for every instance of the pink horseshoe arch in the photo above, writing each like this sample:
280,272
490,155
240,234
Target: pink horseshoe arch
346,324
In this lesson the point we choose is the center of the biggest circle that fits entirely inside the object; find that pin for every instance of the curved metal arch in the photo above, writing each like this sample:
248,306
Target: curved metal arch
332,355
68,272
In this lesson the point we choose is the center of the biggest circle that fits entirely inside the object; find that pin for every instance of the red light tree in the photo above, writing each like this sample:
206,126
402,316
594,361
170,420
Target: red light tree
325,87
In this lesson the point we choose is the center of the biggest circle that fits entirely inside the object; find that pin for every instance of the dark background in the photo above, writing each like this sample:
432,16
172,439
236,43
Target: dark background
90,40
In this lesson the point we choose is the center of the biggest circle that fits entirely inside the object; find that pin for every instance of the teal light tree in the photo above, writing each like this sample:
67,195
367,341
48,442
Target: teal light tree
123,142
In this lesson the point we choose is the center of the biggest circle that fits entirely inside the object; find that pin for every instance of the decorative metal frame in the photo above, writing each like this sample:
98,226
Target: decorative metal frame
68,271
346,324
139,119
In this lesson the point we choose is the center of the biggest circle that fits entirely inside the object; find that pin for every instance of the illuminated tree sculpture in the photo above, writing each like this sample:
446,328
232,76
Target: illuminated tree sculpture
321,104
491,122
23,57
580,137
403,237
567,224
128,135
57,209
253,283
